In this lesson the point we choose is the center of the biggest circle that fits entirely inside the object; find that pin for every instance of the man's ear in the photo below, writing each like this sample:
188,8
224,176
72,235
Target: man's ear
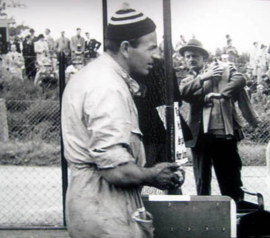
125,49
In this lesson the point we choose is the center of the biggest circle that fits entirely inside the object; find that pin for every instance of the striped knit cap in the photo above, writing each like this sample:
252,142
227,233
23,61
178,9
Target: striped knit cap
127,24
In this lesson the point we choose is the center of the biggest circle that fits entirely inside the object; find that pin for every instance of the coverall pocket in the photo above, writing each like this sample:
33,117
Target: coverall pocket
144,222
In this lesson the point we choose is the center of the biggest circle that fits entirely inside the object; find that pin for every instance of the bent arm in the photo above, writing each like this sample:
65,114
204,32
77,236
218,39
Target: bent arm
191,89
161,176
128,175
236,83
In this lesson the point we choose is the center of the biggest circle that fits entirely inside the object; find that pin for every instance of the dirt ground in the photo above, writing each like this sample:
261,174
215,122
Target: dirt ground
32,196
34,234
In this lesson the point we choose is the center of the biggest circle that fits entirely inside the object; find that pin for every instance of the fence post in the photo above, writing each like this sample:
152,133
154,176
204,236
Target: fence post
105,20
168,52
3,121
64,165
169,80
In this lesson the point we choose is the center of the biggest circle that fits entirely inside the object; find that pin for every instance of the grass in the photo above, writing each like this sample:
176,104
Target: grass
252,154
31,153
41,153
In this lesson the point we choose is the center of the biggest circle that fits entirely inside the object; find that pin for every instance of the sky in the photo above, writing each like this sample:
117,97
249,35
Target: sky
245,21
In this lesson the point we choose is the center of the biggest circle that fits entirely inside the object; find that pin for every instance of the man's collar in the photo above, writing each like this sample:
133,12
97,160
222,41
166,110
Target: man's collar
194,73
132,84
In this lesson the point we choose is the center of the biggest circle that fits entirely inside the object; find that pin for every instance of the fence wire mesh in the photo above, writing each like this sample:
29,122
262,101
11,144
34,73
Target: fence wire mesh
30,176
31,184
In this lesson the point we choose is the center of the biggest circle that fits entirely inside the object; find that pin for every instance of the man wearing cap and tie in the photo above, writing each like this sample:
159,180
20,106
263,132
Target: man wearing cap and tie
211,92
102,139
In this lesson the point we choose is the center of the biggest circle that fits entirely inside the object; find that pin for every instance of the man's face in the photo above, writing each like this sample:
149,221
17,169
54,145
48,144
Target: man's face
260,89
242,69
78,32
47,32
141,59
13,48
249,70
194,60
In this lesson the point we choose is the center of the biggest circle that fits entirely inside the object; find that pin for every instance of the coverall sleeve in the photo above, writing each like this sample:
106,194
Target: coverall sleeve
107,118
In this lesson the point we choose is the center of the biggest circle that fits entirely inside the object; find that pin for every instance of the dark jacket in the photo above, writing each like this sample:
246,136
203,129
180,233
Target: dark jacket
231,86
150,123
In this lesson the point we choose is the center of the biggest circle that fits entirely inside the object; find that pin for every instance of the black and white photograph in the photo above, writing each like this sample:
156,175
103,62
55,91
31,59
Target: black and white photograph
134,119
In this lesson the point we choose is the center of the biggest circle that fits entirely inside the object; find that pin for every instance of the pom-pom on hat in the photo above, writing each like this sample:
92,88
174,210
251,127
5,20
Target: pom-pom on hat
127,24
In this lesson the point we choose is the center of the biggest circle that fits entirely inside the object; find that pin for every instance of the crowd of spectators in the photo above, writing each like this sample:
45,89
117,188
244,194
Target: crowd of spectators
36,58
255,67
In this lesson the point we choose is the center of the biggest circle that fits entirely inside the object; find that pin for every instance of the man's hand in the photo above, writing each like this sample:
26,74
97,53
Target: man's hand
161,176
212,72
210,96
165,176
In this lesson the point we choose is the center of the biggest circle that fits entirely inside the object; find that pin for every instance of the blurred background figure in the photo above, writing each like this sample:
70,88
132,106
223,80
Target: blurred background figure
29,57
13,41
62,45
77,44
46,77
73,68
14,63
231,51
91,48
254,58
50,42
260,100
41,49
182,41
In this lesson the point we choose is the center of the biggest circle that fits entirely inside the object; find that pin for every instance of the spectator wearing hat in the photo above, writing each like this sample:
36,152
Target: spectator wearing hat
215,126
41,49
77,44
103,142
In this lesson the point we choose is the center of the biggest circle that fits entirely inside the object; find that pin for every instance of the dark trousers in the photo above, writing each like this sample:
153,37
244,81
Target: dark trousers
30,67
221,153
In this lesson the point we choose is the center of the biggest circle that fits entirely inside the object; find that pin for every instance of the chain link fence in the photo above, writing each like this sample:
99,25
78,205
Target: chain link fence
30,149
31,179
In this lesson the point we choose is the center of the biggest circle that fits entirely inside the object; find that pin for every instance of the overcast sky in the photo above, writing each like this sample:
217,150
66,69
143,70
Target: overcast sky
210,20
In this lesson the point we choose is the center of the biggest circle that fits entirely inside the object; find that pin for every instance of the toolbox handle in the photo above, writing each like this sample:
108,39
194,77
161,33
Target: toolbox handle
259,197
